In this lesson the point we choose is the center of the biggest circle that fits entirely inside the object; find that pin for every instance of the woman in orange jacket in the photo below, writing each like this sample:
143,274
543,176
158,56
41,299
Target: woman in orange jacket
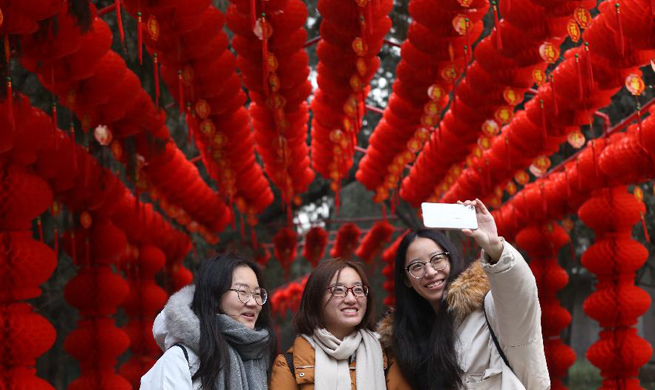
335,347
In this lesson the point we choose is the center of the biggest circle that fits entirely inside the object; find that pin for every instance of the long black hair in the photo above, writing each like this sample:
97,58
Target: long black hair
424,340
212,280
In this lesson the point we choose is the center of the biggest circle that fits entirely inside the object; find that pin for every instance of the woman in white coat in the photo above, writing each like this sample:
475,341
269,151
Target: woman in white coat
216,334
465,326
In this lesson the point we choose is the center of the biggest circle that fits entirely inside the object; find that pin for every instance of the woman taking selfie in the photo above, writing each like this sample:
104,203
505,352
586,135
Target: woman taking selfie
335,348
217,333
465,326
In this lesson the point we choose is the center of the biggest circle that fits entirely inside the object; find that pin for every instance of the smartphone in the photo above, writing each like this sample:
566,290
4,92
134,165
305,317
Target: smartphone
451,216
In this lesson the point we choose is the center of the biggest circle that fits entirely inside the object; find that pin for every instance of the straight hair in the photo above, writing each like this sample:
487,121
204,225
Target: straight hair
213,279
424,340
310,312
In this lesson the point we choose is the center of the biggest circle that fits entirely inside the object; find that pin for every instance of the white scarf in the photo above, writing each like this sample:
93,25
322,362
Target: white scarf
332,366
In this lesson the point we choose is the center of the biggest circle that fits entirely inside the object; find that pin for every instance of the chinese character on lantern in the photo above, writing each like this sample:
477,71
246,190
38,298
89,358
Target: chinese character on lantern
549,52
573,30
634,84
582,17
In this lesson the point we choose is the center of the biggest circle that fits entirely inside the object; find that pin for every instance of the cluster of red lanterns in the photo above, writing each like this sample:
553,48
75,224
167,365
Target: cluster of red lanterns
542,244
95,83
200,74
23,16
269,40
347,241
374,241
617,303
96,292
584,82
316,240
507,62
352,34
145,300
433,57
25,263
287,297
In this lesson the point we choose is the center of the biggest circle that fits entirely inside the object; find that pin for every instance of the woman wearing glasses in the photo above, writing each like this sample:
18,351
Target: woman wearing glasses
216,334
336,348
448,331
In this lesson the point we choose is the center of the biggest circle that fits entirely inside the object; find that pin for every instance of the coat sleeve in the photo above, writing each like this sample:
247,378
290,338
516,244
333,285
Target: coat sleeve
515,315
281,378
170,372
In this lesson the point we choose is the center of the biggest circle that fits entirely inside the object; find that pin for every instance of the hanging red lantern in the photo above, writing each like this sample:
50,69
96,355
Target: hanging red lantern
346,241
316,240
286,243
374,241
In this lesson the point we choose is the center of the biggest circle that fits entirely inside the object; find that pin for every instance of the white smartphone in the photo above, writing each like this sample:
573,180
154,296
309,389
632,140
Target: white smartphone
451,216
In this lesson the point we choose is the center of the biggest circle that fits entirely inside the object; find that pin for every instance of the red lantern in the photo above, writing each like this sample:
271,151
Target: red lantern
346,241
374,241
315,242
286,242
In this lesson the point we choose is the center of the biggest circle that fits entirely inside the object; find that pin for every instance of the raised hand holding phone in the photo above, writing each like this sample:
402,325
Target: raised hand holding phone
486,235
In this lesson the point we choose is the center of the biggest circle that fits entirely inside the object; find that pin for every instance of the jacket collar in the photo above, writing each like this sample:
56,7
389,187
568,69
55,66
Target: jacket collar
181,323
464,295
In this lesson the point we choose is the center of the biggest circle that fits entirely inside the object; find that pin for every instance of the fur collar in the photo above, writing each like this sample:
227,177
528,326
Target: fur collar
464,295
181,322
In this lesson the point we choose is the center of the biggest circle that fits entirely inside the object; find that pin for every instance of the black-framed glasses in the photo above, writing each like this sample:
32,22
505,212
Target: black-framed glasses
245,294
438,261
341,291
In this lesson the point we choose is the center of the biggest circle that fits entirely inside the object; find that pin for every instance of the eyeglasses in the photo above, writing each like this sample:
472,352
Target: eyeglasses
438,262
340,291
244,295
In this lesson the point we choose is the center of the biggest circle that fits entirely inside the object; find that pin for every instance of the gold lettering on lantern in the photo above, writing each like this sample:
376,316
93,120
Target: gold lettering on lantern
549,52
361,66
582,17
274,82
359,46
203,109
539,77
436,93
153,27
638,193
634,84
504,114
449,73
511,96
272,62
490,127
521,177
511,188
207,127
573,30
465,3
461,24
576,139
187,75
86,220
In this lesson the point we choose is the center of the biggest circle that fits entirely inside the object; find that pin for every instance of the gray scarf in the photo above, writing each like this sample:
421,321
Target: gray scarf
248,358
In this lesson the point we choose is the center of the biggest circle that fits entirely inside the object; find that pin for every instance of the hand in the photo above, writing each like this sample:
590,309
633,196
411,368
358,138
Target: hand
486,235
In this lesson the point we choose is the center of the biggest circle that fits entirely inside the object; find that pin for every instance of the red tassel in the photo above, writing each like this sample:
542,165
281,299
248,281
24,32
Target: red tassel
593,157
289,212
54,122
580,86
643,226
543,119
119,18
39,225
265,68
568,184
156,65
499,39
10,104
253,13
384,211
190,123
618,21
369,21
544,203
554,95
253,236
509,162
180,87
579,175
139,35
7,50
467,48
72,135
337,199
590,68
